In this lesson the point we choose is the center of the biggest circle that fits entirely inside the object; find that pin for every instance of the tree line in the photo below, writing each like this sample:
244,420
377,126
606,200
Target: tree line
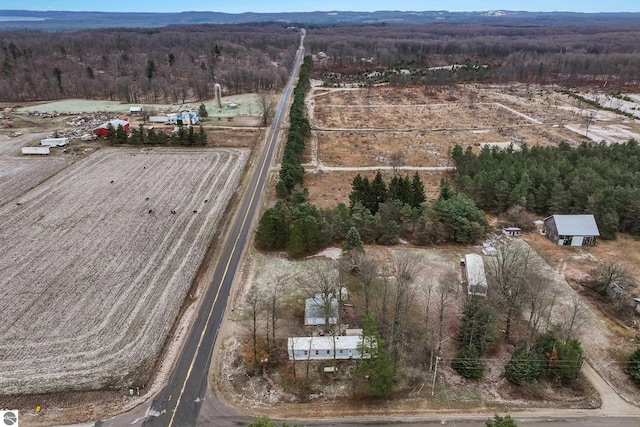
291,170
538,54
169,64
142,136
597,179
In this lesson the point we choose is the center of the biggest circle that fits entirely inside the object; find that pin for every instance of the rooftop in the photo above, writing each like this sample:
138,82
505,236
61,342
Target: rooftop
324,343
476,278
576,225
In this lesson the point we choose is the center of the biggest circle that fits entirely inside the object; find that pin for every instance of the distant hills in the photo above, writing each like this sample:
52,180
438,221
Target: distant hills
69,21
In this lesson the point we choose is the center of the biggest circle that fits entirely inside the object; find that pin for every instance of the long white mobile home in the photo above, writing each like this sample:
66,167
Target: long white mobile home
36,150
323,348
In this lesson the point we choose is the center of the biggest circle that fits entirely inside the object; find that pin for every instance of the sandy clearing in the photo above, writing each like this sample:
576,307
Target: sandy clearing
98,266
612,134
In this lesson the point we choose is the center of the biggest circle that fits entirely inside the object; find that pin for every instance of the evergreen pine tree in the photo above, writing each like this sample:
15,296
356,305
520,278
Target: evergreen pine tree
417,188
375,361
378,193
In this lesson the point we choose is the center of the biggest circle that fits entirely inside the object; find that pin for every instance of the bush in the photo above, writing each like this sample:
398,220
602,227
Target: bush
524,367
467,362
563,358
633,366
262,421
499,421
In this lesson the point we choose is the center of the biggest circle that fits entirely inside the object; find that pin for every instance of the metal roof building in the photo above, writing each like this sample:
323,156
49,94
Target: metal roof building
475,275
571,230
322,348
317,311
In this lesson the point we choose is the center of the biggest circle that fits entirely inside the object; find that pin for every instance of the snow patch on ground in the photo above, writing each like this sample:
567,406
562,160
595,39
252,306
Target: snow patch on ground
332,253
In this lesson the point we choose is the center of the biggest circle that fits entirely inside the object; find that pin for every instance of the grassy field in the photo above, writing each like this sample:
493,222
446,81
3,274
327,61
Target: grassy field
246,105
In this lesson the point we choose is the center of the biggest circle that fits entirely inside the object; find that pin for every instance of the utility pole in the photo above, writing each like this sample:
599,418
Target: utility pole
435,374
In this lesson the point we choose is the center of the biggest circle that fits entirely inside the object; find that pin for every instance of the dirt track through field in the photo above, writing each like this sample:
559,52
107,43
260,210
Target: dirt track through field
97,261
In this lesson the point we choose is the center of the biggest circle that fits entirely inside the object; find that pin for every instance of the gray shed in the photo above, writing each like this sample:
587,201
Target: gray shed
317,311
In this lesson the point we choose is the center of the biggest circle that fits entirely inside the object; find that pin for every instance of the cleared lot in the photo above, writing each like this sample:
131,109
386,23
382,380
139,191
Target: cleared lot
361,130
97,261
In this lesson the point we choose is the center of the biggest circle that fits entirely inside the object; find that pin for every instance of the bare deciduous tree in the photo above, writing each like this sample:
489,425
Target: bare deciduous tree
367,271
275,308
403,292
446,290
384,301
324,284
607,273
266,104
576,318
539,302
397,159
509,271
252,312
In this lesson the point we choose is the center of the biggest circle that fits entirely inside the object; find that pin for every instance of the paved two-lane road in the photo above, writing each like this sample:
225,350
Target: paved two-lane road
178,404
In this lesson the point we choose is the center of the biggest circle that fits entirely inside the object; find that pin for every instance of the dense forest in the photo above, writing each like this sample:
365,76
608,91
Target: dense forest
176,63
567,55
167,65
599,179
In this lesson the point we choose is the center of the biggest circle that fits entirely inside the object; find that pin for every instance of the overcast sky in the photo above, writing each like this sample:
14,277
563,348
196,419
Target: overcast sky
239,6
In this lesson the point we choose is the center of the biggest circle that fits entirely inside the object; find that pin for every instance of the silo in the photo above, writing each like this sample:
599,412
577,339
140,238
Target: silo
218,90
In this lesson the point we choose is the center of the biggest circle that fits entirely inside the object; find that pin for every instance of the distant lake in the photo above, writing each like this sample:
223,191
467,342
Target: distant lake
21,18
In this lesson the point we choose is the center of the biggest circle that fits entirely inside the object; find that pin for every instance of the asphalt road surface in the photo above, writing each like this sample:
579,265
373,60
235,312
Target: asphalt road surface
178,404
477,421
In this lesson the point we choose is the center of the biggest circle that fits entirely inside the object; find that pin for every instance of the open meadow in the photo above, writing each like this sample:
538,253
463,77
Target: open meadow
98,259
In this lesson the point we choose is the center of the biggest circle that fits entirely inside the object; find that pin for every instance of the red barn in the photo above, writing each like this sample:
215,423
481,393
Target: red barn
102,129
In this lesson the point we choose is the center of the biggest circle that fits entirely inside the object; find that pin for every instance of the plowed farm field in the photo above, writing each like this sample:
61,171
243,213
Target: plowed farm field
19,173
97,261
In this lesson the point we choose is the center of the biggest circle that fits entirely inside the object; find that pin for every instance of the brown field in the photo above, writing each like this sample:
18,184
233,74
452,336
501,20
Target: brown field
225,137
452,116
420,148
96,266
359,130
